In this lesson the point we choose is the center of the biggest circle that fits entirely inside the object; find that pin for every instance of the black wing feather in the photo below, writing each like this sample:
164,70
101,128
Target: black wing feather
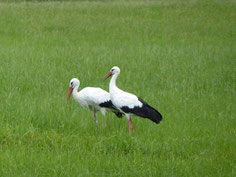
108,104
146,111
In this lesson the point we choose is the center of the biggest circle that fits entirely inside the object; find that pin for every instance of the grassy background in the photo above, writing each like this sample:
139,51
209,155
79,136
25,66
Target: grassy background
178,55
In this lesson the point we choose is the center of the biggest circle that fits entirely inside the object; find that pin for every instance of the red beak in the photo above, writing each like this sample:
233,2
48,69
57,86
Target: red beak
107,76
69,94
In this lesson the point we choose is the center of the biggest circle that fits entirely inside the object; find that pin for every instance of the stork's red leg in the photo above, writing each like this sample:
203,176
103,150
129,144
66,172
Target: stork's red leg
105,121
130,126
95,119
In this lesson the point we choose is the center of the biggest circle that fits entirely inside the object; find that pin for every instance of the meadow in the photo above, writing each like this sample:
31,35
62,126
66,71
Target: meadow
178,55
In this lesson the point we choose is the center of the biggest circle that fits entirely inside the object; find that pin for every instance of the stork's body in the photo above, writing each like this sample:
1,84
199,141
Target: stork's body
128,103
93,98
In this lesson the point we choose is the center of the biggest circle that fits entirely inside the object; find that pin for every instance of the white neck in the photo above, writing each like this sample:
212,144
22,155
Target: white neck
75,93
112,85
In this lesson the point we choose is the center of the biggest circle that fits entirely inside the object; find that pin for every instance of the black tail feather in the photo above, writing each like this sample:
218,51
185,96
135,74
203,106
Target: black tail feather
154,115
150,112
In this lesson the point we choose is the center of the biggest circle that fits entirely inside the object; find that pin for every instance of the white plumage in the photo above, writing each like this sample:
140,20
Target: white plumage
121,98
93,98
128,103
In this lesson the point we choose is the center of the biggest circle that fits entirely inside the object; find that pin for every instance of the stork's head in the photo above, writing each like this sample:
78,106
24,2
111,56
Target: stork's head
114,71
74,83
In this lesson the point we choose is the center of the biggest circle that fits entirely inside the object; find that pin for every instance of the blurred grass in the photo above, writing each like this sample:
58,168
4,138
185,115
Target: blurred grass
177,55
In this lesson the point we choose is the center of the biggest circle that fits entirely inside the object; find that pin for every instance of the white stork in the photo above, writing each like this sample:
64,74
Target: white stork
96,99
128,103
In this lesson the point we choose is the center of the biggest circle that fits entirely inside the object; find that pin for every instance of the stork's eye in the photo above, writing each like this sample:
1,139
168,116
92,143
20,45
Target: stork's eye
112,70
71,83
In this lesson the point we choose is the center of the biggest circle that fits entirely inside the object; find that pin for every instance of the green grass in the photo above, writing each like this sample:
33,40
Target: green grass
178,55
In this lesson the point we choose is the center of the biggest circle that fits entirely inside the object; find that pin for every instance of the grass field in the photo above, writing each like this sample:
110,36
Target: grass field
178,55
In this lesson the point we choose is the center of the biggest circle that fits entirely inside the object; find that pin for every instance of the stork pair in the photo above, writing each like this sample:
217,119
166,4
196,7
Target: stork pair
117,101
